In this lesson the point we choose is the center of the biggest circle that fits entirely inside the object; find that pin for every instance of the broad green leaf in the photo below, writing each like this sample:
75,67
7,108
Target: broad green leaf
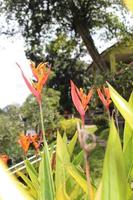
122,105
98,195
72,143
32,190
73,172
41,179
62,160
79,158
114,184
128,144
45,172
32,174
46,176
61,193
130,193
64,137
91,128
75,192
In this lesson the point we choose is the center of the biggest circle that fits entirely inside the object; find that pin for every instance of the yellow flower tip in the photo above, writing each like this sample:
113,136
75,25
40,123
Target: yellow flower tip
129,4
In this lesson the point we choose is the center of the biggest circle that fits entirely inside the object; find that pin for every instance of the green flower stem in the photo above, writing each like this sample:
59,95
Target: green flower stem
41,116
47,158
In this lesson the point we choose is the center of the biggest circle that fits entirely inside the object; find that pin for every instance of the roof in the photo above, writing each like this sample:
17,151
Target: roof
123,51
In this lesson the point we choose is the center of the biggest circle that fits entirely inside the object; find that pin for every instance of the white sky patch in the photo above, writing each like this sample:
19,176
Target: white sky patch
12,86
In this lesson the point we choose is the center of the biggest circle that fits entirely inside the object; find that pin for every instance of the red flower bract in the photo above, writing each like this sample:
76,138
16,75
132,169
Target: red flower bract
41,74
105,97
80,100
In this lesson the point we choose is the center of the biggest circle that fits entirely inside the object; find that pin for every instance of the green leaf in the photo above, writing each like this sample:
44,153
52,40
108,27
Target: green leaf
91,128
61,193
122,105
62,160
46,176
75,192
99,192
73,172
128,144
32,190
114,184
72,143
79,158
32,174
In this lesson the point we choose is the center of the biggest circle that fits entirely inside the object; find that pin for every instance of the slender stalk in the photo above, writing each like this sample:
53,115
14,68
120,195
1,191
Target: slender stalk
42,124
47,157
87,169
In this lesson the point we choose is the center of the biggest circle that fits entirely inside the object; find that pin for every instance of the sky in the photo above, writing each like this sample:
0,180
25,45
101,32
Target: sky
12,87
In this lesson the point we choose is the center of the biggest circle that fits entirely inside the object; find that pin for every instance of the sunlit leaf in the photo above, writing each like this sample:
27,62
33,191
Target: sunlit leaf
46,176
62,160
72,143
32,174
114,184
71,169
61,193
122,105
79,158
29,184
98,195
128,144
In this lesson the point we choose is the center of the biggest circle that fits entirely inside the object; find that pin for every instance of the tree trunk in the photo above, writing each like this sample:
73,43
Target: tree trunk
84,32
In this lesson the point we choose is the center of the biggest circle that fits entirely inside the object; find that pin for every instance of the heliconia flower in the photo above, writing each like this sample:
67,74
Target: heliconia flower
105,97
85,99
34,140
80,100
40,74
24,142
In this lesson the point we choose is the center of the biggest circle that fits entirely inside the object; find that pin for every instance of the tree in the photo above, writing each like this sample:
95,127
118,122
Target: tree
10,128
11,124
64,56
82,17
30,111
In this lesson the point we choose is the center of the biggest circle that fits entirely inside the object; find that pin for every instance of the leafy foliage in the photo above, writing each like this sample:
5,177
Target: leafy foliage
80,17
122,80
66,64
10,126
30,111
68,126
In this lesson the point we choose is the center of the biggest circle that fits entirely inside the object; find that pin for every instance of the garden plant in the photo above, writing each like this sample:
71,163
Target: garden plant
65,149
64,173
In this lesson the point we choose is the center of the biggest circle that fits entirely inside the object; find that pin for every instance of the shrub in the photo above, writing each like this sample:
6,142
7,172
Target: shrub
68,126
